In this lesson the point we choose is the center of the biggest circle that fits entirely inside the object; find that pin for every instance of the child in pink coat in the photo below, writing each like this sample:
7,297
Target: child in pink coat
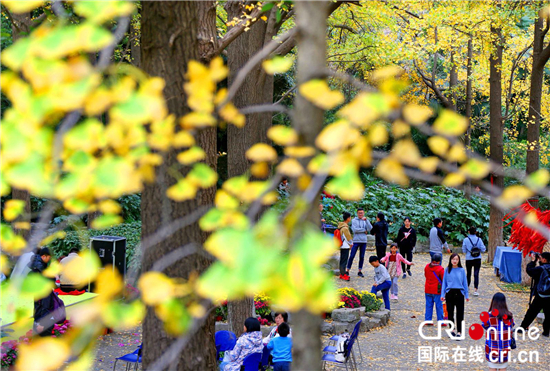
393,261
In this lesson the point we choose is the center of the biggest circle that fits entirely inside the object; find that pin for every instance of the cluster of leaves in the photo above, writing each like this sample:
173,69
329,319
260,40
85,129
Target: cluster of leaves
262,306
351,298
421,205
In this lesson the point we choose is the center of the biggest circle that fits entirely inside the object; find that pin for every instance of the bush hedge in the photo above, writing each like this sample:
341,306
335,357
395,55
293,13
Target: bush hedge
80,239
422,205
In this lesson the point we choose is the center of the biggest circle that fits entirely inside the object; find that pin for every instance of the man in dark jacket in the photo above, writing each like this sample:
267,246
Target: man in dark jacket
40,260
380,232
44,306
539,303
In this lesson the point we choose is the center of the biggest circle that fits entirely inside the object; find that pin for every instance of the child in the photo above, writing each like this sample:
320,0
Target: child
281,349
453,290
434,273
248,343
393,260
382,280
499,333
346,244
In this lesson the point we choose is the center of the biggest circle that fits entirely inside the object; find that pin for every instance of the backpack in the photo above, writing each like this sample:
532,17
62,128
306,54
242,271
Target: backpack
342,347
338,238
475,251
543,287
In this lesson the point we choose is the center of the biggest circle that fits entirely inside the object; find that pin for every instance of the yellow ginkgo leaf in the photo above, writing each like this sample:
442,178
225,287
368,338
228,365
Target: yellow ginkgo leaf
416,114
450,123
378,134
218,70
260,170
387,72
438,145
155,288
366,108
18,6
197,120
475,169
13,208
457,153
400,129
43,353
290,167
261,152
453,180
224,200
303,151
83,270
183,139
183,190
538,180
406,152
108,283
392,171
277,64
428,164
282,135
192,155
231,114
514,195
109,207
332,136
318,93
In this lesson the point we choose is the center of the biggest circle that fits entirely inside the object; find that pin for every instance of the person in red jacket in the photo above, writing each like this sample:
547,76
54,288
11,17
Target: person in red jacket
434,273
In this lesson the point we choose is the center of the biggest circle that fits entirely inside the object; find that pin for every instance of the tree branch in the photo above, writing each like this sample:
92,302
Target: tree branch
345,27
431,84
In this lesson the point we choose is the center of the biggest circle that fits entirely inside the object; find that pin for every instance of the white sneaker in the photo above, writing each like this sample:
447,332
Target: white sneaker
476,293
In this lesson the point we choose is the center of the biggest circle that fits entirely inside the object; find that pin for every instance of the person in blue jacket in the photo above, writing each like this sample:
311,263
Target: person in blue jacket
453,290
281,349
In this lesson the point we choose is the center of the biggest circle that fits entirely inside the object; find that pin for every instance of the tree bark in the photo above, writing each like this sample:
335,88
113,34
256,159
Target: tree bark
496,137
453,81
135,45
311,20
468,108
535,97
169,42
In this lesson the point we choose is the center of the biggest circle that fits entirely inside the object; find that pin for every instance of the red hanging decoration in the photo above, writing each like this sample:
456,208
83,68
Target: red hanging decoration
524,238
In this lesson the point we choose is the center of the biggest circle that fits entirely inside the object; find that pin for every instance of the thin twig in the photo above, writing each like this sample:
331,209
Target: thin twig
107,52
265,108
349,79
286,94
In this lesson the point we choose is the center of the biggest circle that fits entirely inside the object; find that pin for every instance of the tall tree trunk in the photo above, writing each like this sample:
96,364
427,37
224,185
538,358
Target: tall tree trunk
135,45
496,137
311,20
540,57
169,42
257,89
453,80
21,27
468,108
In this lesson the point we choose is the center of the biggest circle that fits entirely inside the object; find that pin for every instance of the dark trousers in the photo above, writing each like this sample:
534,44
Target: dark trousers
381,251
476,264
535,307
344,254
281,366
385,288
407,254
362,246
455,299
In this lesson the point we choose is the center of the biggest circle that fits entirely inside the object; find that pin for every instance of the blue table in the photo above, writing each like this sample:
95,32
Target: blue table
508,262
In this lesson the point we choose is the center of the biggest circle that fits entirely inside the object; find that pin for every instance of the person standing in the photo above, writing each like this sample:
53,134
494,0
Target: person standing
437,239
346,244
406,240
360,227
541,300
473,247
380,232
500,327
453,290
434,273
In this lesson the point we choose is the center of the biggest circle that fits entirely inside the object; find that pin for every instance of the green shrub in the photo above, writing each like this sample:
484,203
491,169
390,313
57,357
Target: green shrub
370,302
80,239
422,205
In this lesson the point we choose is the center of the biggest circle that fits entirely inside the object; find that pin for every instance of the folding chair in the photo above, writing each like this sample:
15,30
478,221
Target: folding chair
349,358
252,362
225,340
354,333
134,357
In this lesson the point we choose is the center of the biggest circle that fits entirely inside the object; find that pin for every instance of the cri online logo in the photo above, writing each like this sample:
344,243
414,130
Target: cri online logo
476,331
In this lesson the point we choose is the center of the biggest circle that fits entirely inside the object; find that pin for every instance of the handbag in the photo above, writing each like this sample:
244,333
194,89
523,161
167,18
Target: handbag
59,314
513,344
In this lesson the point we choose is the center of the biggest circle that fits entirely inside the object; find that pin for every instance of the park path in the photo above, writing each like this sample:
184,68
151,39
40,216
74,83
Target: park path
395,347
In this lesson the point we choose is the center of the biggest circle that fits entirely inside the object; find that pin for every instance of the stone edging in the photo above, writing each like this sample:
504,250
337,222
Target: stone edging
345,319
